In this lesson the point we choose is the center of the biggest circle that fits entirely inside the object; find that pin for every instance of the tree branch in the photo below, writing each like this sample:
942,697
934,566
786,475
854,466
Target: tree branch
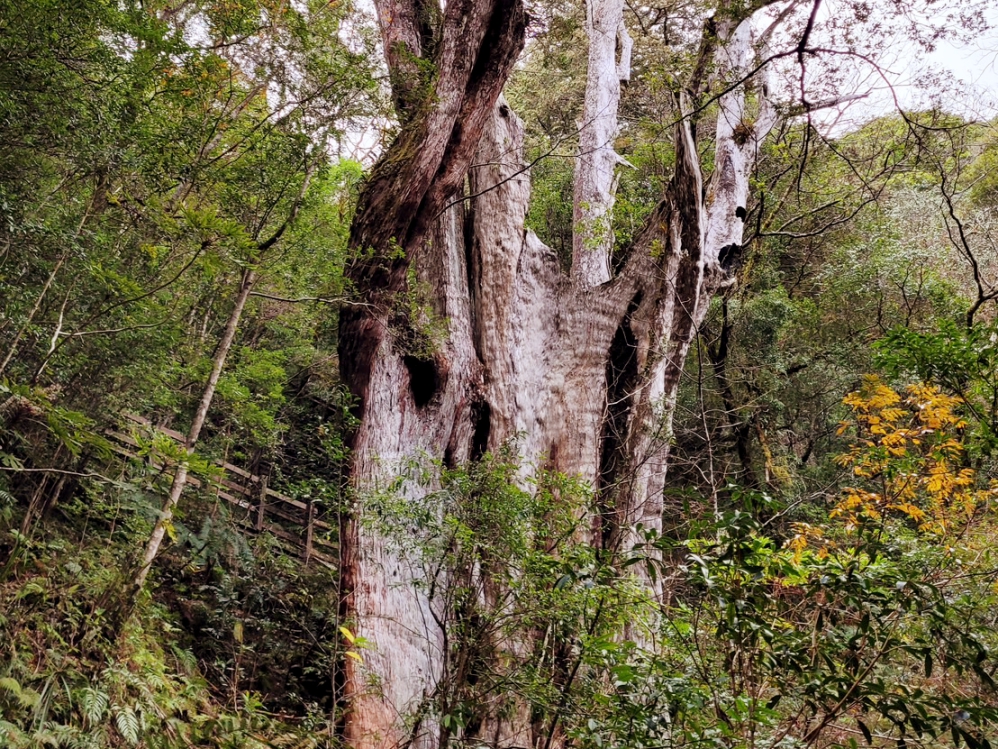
335,301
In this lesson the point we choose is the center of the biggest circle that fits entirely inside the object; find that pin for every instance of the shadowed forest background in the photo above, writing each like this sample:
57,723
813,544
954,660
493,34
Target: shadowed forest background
179,263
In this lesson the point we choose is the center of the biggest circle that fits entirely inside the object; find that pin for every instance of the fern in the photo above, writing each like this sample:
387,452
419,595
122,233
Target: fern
67,736
11,735
186,660
10,684
127,723
30,589
46,736
29,697
89,740
93,705
25,696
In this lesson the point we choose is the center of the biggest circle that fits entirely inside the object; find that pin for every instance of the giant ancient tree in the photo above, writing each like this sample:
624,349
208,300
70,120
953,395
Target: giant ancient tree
471,334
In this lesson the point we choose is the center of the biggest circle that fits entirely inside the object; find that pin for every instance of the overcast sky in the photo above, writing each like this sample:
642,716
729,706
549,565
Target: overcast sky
969,70
976,63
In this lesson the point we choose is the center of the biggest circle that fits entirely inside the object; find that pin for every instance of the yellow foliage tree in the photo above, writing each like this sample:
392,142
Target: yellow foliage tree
909,460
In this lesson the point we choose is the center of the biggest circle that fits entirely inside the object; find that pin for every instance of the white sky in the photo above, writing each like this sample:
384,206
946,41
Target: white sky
969,88
968,73
974,64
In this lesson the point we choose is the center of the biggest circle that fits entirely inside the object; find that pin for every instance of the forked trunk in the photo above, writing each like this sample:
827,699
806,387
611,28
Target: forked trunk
474,338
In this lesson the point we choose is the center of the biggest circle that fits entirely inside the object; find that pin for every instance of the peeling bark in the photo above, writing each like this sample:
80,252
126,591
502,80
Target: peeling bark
580,372
414,397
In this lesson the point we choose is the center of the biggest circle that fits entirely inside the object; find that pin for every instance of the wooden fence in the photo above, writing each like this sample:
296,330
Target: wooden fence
258,508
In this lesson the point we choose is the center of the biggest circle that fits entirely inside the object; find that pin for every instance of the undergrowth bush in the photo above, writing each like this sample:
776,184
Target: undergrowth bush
165,682
872,622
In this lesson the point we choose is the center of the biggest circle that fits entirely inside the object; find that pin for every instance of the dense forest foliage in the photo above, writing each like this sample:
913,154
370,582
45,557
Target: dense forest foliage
177,186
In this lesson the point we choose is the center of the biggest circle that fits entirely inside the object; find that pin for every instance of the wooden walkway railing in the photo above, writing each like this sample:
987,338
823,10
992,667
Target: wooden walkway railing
291,521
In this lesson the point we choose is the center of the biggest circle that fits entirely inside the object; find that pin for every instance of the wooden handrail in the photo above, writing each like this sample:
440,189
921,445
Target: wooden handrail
248,491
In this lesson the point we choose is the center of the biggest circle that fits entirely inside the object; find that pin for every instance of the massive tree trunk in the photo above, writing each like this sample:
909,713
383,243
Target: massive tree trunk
579,370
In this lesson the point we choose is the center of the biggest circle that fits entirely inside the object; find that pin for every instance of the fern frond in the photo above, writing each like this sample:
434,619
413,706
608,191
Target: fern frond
93,705
127,723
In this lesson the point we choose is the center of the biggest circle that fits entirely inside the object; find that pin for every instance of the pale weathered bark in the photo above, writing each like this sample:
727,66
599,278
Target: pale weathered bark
595,169
34,311
578,371
414,396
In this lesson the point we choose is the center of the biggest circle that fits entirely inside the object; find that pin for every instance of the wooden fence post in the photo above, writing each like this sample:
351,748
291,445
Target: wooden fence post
261,507
309,521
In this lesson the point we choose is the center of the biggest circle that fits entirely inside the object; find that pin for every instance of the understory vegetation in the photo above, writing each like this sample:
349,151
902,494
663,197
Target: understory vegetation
174,172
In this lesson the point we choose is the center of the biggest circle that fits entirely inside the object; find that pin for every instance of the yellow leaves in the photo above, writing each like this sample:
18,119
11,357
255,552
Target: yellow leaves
804,533
873,396
943,480
965,477
934,484
896,442
854,498
935,410
871,512
857,505
915,513
903,487
348,635
909,449
878,409
356,643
